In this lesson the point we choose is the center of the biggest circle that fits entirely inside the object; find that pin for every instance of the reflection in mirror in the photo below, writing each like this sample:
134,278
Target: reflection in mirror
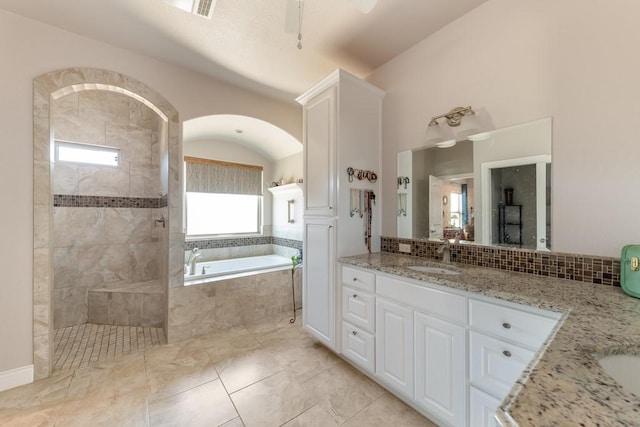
492,192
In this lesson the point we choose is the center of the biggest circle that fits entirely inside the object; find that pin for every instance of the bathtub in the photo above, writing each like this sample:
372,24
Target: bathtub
238,267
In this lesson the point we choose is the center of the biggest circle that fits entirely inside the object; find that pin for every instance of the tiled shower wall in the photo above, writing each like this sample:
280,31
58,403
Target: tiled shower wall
98,243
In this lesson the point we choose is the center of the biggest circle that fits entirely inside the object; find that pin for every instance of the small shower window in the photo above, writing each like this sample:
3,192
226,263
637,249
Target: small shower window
75,152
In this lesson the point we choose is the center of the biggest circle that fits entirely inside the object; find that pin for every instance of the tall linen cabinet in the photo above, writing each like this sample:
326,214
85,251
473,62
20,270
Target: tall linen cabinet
342,130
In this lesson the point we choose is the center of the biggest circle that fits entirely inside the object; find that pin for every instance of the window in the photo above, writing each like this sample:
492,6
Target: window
74,152
222,197
456,210
214,213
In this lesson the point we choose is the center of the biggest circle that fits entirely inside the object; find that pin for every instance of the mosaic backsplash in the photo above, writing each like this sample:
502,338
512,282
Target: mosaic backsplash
241,241
582,268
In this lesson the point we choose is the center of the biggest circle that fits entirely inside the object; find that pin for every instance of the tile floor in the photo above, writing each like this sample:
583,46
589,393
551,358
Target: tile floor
80,345
272,374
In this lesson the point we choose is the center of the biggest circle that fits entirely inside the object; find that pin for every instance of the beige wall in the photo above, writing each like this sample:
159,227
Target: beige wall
516,61
34,49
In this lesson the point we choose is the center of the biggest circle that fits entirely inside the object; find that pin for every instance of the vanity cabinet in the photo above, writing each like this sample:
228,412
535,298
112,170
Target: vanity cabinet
450,354
440,362
341,130
502,342
394,346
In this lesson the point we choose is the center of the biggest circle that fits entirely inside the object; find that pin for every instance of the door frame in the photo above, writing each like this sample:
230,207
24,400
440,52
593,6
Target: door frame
541,190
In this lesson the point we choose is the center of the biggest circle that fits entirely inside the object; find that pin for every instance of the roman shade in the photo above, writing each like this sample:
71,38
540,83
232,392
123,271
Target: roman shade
214,176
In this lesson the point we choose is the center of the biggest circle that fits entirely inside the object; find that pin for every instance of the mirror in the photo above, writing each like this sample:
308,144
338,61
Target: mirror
492,192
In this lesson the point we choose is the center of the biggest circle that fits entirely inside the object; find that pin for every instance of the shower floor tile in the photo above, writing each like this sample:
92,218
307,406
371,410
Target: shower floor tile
80,345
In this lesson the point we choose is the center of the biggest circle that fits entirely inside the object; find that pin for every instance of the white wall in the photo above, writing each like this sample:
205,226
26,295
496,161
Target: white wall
516,61
30,49
236,153
289,168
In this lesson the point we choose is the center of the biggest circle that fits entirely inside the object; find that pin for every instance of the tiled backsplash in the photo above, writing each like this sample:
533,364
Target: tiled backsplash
241,241
582,268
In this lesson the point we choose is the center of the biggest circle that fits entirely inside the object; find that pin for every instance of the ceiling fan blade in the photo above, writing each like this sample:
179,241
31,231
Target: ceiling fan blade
364,6
292,19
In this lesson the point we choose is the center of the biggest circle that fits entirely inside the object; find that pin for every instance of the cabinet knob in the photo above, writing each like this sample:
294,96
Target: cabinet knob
355,295
506,325
354,333
355,279
507,353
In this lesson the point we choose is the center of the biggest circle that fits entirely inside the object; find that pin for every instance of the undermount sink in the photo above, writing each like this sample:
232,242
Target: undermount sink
625,369
432,270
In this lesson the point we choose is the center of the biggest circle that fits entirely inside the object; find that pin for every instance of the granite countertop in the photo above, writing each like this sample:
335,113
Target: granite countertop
564,384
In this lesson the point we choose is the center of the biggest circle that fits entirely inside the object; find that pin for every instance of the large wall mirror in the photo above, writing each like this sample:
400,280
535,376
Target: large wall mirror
491,192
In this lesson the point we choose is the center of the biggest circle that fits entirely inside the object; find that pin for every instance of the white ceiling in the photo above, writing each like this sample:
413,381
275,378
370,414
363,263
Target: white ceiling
245,42
257,135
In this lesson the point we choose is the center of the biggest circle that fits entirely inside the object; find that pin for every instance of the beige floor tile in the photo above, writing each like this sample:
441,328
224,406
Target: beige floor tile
388,410
272,401
107,379
176,368
246,369
304,363
343,391
30,398
205,405
236,422
285,339
274,323
29,417
316,416
123,410
227,344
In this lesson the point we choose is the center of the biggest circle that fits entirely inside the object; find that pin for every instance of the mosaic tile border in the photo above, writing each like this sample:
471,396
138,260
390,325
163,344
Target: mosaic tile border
289,243
76,201
241,241
581,268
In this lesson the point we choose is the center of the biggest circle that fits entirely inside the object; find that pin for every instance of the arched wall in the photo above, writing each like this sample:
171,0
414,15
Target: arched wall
46,88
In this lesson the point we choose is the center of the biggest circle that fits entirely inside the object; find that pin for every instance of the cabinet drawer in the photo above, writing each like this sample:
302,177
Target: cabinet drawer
519,326
358,308
358,278
494,365
439,303
482,409
358,346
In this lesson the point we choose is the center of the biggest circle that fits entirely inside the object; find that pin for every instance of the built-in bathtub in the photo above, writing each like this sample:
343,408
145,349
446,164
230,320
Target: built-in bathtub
211,271
232,293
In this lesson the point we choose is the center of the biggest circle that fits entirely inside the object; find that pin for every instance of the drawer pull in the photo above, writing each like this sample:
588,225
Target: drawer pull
506,325
355,279
354,333
507,353
355,295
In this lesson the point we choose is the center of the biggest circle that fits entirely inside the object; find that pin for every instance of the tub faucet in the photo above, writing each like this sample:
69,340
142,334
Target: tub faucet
190,266
445,250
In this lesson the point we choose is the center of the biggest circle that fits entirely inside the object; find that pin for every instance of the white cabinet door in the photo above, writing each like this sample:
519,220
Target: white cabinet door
394,346
482,409
319,154
318,280
440,365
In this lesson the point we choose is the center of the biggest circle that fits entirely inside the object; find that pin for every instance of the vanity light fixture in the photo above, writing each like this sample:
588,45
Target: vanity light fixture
462,118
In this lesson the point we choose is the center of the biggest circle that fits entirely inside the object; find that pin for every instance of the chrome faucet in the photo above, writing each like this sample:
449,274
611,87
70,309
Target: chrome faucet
190,266
445,250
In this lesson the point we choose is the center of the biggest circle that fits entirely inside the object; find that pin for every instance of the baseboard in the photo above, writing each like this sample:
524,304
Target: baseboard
16,377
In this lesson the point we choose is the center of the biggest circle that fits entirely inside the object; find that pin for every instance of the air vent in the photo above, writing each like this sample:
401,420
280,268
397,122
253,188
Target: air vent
204,8
197,7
